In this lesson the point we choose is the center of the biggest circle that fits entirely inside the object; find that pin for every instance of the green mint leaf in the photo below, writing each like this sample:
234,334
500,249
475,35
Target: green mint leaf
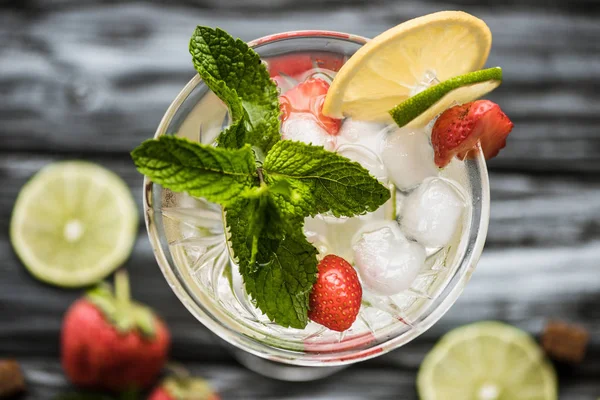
255,226
278,267
281,287
235,73
233,137
218,175
297,200
321,181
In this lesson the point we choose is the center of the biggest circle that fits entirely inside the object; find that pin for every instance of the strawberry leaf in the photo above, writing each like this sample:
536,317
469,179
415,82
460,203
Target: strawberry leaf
235,73
186,387
218,175
322,181
125,315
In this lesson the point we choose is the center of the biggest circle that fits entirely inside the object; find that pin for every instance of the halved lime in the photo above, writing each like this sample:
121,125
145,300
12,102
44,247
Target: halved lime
73,223
487,361
421,108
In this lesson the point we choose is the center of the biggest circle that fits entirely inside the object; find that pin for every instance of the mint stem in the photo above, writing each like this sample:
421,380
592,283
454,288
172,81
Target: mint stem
122,292
261,177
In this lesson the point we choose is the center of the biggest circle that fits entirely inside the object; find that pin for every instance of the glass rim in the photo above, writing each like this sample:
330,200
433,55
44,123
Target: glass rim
346,355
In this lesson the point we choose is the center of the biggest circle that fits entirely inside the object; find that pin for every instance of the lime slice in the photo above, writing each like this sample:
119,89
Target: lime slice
423,107
73,223
487,361
394,65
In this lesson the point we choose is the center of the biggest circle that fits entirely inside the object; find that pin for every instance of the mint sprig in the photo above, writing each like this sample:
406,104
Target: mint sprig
266,202
235,73
322,181
281,287
265,207
218,175
252,220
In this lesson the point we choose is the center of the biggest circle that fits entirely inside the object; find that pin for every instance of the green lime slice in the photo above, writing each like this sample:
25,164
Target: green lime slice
421,108
487,361
73,223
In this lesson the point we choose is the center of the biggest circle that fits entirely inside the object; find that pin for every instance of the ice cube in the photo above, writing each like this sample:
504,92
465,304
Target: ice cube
365,157
304,128
431,213
331,235
375,225
408,157
367,134
387,262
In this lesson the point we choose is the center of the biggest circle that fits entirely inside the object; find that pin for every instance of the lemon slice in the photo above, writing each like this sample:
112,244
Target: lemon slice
421,108
487,361
73,223
396,64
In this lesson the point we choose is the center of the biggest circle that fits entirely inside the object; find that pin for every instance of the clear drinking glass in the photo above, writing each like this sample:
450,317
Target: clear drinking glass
189,242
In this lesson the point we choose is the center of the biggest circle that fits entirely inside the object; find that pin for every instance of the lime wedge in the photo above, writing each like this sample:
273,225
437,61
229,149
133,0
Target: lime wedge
487,361
73,223
423,107
391,67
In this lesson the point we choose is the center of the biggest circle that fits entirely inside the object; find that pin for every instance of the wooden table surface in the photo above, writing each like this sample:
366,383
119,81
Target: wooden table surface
91,79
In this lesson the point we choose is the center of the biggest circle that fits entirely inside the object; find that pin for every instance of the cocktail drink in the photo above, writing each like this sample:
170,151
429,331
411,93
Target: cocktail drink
355,226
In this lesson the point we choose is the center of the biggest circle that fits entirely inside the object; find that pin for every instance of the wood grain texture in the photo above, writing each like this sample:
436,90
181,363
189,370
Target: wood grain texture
91,79
103,75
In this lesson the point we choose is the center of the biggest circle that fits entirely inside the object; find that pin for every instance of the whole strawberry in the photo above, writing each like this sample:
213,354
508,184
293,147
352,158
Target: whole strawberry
459,129
110,342
187,388
336,295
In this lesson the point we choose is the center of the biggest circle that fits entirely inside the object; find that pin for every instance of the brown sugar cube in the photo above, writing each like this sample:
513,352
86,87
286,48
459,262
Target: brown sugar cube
565,342
11,378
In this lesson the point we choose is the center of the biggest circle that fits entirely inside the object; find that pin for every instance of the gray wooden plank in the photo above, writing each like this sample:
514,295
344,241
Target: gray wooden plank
368,380
98,79
530,210
92,78
262,6
546,282
526,210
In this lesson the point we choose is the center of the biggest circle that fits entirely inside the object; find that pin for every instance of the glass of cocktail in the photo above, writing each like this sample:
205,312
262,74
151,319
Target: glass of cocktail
414,254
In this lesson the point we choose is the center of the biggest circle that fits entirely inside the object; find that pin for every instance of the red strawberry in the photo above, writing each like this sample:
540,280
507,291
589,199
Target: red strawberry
109,342
336,295
308,97
175,388
458,130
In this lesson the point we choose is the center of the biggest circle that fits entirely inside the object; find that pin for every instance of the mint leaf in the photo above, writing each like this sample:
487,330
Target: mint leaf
321,181
218,175
281,287
278,267
256,228
297,201
233,137
235,73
